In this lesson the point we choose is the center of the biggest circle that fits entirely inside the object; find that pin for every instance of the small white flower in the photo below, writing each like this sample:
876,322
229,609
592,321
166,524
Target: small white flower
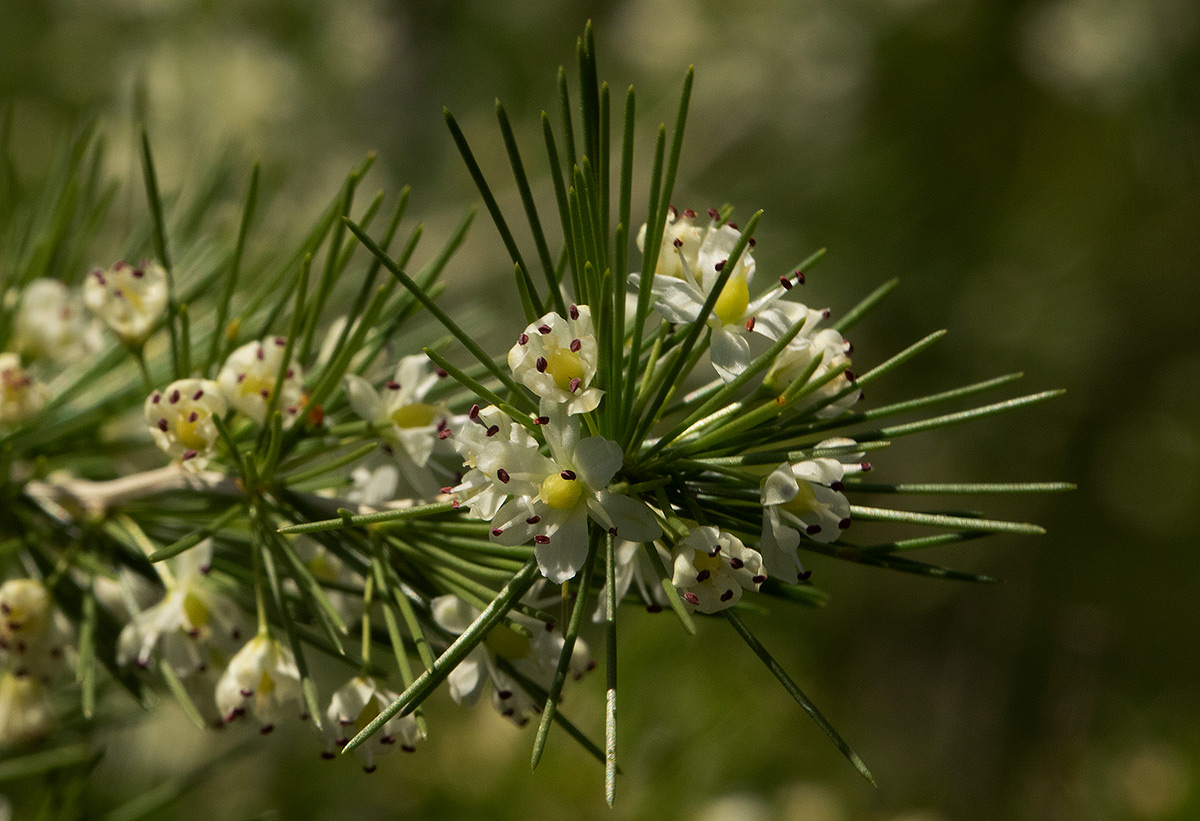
556,359
248,377
480,492
50,323
536,658
26,712
190,621
355,705
262,678
797,357
712,568
807,498
181,419
128,299
682,291
21,396
412,425
34,635
553,497
682,241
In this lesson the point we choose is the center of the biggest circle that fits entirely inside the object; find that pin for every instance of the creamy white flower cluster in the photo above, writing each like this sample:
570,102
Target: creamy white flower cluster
34,640
534,658
691,259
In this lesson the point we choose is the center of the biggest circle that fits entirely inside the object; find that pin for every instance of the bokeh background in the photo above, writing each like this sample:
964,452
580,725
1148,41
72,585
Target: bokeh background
1029,169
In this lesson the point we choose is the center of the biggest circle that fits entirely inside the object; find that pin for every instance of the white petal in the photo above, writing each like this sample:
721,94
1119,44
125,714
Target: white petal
562,557
364,399
597,460
632,518
730,353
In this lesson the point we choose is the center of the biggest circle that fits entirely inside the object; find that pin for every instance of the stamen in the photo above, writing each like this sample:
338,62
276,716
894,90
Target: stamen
542,420
156,398
691,598
444,434
493,430
496,531
727,595
576,345
812,530
573,311
503,476
575,383
163,426
736,563
532,520
838,486
678,243
750,324
193,416
541,539
196,396
543,329
844,523
720,265
473,414
541,364
703,575
568,475
174,397
804,575
714,214
393,385
759,579
786,283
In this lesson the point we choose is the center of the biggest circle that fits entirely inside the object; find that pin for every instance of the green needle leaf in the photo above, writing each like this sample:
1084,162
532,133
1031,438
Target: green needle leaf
795,692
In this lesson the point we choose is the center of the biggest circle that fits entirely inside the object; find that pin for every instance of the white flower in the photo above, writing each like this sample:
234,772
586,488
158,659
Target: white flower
553,497
26,712
33,634
181,419
536,658
807,498
50,323
191,621
681,296
798,356
355,705
248,377
633,567
128,299
262,678
679,254
556,359
411,425
21,396
712,568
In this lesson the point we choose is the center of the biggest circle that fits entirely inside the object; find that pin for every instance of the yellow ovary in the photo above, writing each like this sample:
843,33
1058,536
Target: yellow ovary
266,685
564,365
702,561
504,641
560,493
196,610
253,383
805,501
188,432
733,301
415,415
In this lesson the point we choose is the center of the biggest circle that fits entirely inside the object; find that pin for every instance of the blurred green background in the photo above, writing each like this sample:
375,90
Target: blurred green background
1029,169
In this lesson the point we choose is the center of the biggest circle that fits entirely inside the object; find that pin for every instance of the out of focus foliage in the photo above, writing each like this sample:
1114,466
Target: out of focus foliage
1031,172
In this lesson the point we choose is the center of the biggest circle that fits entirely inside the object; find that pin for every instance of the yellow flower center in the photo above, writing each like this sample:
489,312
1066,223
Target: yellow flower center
253,383
560,493
733,301
702,561
564,365
805,501
503,641
188,432
415,415
266,685
195,609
